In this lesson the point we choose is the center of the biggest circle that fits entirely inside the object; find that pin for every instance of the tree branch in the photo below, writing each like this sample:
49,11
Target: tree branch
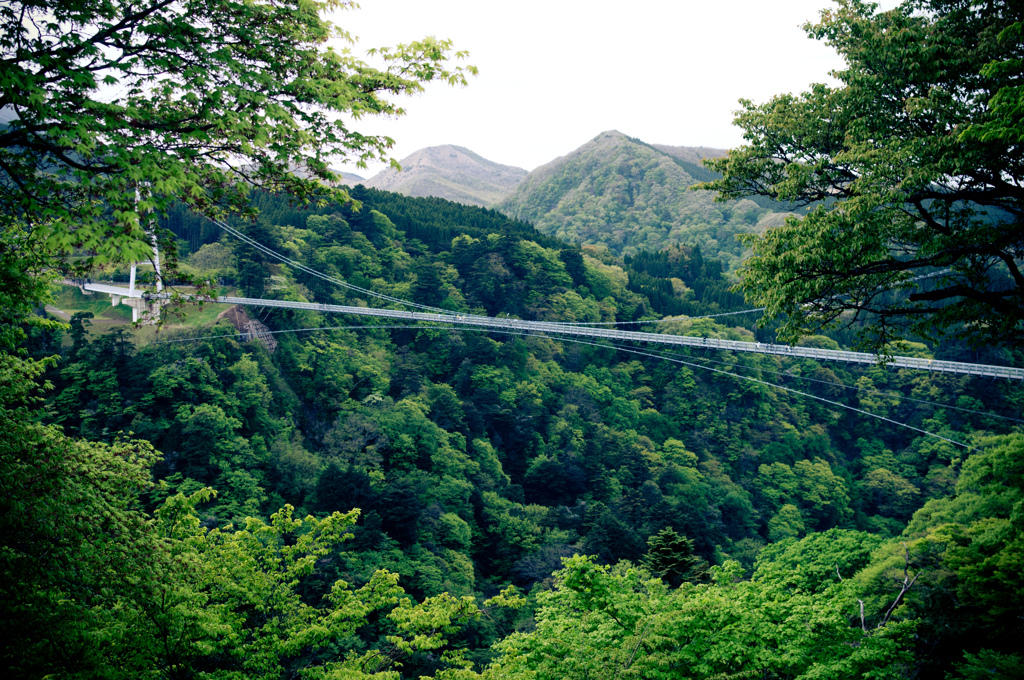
905,586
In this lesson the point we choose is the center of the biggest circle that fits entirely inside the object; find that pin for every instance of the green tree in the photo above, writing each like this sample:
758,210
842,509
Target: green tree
76,553
818,561
965,555
989,664
1006,121
123,107
892,495
615,622
238,609
671,557
913,168
787,523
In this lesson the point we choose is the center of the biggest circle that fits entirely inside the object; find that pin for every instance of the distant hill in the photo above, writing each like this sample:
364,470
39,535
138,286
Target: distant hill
690,154
631,196
349,178
450,172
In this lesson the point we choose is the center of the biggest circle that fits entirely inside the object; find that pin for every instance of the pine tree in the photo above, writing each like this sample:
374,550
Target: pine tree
671,557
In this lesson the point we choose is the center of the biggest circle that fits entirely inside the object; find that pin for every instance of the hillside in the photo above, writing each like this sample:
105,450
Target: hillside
631,196
350,178
690,154
463,462
450,172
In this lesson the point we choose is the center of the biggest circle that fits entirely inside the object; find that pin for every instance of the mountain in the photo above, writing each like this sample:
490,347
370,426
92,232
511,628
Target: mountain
479,460
630,196
690,154
450,172
349,178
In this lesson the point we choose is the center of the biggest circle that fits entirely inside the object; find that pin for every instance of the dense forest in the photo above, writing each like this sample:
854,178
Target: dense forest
495,504
285,494
629,197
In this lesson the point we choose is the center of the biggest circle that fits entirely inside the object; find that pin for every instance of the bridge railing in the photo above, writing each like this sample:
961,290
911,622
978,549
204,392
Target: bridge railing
639,336
548,327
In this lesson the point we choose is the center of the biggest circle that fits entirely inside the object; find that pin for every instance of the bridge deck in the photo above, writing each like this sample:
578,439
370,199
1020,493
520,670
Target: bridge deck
567,329
638,336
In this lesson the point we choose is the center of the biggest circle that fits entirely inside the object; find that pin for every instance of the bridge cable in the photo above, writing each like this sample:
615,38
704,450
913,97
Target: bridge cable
670,319
437,310
787,389
666,354
621,349
312,272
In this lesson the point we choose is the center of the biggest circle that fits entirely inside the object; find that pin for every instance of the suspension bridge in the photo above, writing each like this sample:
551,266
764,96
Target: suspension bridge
566,329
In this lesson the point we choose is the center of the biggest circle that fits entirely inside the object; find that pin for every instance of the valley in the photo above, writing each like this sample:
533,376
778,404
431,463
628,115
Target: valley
643,411
481,458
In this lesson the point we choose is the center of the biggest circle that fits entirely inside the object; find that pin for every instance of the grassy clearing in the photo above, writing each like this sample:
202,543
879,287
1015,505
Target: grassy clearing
187,316
106,317
72,300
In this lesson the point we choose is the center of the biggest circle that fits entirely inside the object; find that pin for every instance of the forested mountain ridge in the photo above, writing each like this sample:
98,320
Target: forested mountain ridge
477,460
450,172
614,191
386,500
631,196
691,154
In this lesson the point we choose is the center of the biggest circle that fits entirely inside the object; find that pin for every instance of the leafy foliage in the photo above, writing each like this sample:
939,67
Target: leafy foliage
482,459
913,166
602,622
121,109
627,196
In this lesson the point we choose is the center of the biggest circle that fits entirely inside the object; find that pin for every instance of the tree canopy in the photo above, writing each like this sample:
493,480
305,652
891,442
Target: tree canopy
913,167
116,108
187,508
478,461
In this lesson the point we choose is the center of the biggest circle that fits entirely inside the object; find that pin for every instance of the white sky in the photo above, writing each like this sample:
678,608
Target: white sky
556,73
